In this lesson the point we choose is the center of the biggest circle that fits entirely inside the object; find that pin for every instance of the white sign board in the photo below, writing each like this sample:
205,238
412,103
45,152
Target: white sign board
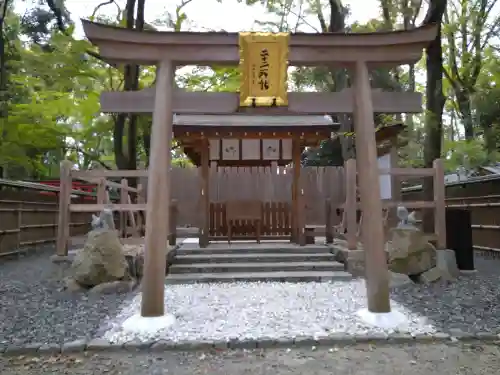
384,162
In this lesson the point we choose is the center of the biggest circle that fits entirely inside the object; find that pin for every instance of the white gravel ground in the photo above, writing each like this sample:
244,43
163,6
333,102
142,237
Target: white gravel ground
261,310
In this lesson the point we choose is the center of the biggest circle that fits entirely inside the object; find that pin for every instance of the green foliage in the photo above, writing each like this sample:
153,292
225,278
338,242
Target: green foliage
467,153
211,79
54,85
182,162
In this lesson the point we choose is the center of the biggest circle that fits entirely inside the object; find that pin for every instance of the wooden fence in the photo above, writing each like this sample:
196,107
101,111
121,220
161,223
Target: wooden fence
318,185
482,198
29,217
324,190
266,184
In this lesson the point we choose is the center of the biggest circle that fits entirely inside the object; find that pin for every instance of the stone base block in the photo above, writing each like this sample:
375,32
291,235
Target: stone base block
355,262
446,262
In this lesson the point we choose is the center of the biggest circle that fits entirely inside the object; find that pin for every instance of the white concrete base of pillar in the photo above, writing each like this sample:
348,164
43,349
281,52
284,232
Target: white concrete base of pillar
147,326
388,320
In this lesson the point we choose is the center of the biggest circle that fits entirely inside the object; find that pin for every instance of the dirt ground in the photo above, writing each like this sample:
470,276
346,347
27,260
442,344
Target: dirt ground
418,359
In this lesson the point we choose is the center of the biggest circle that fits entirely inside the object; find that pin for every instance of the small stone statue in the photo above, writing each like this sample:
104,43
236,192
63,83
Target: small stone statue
412,219
406,220
104,221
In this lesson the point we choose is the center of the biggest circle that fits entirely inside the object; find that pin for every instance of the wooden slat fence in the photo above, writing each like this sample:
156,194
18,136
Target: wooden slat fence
482,199
29,218
260,183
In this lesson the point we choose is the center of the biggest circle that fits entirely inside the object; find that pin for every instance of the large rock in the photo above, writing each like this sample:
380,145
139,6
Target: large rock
101,261
409,252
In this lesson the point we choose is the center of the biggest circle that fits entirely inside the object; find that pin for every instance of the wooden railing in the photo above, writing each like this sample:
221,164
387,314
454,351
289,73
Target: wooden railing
131,204
351,226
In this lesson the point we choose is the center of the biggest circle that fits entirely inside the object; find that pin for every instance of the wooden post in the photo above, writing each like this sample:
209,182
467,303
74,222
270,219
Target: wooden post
204,194
158,202
123,200
101,191
301,213
351,205
296,193
140,200
65,187
439,201
172,230
19,223
131,218
328,221
377,275
396,195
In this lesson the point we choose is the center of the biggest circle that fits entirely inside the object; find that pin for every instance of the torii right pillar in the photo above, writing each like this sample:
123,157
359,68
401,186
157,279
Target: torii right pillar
372,233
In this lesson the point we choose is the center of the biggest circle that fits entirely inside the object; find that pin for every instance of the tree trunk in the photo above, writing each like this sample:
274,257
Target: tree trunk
435,101
4,110
340,79
128,159
464,106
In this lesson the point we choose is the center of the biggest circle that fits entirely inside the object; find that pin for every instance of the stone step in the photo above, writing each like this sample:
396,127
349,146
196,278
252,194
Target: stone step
284,276
186,249
255,267
253,258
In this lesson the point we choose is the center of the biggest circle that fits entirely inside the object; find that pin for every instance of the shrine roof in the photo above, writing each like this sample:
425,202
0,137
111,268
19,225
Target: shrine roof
384,137
242,120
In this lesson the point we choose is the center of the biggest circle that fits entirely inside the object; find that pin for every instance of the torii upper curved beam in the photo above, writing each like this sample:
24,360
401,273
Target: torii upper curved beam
120,45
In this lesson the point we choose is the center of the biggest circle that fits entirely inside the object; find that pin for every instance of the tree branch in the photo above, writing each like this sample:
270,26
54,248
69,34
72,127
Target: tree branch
321,17
62,28
90,156
96,9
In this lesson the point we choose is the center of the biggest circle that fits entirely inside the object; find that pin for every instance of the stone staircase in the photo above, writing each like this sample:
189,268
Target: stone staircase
254,263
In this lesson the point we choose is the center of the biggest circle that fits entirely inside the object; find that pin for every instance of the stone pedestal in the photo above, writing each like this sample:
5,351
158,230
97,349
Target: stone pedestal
447,264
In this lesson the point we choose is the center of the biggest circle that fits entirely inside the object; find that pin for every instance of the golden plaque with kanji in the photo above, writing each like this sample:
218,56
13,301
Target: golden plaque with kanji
263,65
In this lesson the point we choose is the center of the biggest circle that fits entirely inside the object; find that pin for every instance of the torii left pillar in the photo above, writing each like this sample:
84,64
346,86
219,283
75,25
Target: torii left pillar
372,232
158,200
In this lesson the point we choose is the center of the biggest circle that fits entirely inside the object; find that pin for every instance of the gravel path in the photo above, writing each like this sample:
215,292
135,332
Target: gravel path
279,310
220,312
34,308
462,359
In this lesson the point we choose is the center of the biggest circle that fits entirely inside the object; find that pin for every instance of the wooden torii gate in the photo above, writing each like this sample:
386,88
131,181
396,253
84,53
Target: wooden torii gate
357,52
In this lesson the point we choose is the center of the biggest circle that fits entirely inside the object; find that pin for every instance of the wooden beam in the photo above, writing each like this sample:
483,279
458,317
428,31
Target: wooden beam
94,173
304,103
187,133
97,207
